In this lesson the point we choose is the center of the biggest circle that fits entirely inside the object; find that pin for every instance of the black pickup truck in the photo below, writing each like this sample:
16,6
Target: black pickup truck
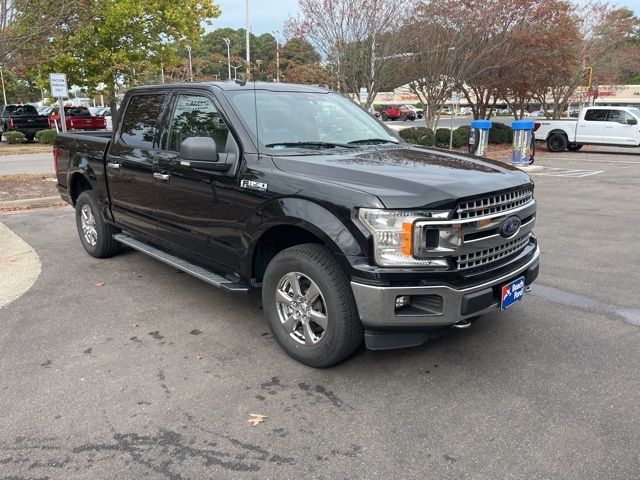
22,118
351,234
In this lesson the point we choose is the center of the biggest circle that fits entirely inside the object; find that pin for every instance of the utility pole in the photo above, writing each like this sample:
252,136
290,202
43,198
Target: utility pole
4,92
275,35
190,66
248,28
228,43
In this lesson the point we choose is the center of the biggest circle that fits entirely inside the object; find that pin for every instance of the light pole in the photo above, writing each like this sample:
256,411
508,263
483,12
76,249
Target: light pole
190,65
228,43
246,11
4,92
275,35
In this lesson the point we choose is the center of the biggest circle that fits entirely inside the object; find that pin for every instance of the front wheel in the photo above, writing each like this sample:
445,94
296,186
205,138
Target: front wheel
95,233
309,306
574,147
384,117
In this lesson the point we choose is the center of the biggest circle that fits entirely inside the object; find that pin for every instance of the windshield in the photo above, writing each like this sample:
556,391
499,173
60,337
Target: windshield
635,111
301,120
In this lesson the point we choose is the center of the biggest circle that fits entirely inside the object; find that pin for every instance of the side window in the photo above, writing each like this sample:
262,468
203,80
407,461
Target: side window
197,116
596,115
140,121
619,116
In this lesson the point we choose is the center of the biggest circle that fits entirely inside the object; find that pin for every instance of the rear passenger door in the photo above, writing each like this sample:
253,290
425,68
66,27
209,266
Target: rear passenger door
591,127
196,209
130,162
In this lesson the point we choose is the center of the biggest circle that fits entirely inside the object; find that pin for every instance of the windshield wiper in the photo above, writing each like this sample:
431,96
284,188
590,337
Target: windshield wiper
372,141
309,144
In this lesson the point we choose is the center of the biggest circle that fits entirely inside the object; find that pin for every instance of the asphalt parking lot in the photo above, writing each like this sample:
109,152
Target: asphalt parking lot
126,368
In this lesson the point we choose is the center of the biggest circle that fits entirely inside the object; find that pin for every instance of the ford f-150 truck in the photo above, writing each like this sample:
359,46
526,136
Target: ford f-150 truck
351,234
595,125
77,118
22,118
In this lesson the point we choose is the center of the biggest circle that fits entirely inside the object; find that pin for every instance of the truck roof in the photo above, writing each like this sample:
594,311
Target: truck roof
231,86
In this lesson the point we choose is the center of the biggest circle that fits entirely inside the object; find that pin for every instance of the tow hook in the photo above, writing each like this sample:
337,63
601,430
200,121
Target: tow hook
462,324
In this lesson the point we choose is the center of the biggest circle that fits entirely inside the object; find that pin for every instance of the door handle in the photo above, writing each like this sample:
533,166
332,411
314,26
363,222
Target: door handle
163,177
113,166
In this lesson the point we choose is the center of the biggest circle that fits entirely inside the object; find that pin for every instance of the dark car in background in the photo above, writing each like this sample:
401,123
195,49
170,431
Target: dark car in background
22,118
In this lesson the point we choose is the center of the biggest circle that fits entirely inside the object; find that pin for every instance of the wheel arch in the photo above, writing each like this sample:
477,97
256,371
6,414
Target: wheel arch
293,222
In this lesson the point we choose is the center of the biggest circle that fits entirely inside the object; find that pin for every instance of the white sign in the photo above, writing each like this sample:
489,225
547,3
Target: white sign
363,95
58,83
455,98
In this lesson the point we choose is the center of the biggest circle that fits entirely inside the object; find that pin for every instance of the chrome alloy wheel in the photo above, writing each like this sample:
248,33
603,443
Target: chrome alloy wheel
88,224
301,308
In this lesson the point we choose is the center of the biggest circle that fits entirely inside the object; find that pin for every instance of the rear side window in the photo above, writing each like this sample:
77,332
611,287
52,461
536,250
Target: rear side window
197,116
77,112
619,116
140,121
19,110
596,115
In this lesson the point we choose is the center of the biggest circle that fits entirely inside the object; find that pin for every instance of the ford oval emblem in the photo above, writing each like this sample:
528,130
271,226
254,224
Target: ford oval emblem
510,227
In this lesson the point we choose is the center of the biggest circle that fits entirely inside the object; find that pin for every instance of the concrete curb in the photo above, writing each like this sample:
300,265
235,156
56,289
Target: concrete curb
531,168
32,203
19,266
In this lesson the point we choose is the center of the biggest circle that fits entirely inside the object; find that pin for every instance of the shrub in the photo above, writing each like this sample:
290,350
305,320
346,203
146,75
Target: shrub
419,135
461,136
14,137
500,133
442,137
46,136
377,107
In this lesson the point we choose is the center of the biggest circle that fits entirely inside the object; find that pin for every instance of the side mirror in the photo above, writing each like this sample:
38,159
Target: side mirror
632,121
199,149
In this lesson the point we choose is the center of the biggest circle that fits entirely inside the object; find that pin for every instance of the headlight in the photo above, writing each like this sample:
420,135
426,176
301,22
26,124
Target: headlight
393,237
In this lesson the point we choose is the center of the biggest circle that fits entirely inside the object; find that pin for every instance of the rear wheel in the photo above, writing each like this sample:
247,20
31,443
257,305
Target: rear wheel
95,233
403,117
574,147
309,306
29,138
557,142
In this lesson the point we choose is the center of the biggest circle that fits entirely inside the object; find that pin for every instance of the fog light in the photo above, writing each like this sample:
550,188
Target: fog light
403,301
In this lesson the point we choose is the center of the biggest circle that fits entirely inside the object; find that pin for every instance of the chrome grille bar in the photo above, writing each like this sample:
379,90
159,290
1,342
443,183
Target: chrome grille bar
494,204
491,255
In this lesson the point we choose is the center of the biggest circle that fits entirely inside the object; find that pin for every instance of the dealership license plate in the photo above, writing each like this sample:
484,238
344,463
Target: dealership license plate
512,292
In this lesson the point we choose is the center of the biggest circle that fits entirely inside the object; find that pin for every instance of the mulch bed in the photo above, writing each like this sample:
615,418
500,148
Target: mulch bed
21,186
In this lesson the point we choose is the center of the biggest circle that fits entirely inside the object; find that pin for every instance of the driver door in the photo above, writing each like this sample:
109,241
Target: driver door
195,208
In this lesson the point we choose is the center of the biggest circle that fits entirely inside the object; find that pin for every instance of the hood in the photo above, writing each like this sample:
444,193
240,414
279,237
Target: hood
406,176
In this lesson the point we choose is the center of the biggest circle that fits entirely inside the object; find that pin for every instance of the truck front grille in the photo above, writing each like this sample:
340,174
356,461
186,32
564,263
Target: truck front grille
494,204
485,258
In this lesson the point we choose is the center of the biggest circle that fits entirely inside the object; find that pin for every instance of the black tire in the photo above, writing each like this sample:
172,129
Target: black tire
557,142
343,333
403,118
574,147
384,116
105,246
29,138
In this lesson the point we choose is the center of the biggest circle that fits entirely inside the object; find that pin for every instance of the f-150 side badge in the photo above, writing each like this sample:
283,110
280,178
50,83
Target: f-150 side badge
253,185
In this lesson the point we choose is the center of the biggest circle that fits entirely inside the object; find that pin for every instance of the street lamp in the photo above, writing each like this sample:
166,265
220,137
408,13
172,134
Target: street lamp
190,65
275,35
228,43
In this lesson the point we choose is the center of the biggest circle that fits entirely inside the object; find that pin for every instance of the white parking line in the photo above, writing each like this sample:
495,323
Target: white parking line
567,172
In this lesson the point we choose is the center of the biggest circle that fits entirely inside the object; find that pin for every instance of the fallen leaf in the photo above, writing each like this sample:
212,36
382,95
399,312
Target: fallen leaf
99,284
135,324
256,418
199,357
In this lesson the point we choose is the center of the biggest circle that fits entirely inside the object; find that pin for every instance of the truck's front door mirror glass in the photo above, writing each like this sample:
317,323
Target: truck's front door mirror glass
632,121
199,149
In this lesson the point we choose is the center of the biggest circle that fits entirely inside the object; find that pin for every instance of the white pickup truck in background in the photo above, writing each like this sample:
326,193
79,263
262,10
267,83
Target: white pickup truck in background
619,126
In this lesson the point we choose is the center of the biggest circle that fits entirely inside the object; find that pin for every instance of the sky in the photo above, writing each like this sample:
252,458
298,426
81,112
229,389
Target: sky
269,15
265,15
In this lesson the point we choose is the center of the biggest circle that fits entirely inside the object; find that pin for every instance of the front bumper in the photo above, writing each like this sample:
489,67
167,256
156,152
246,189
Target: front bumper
434,306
